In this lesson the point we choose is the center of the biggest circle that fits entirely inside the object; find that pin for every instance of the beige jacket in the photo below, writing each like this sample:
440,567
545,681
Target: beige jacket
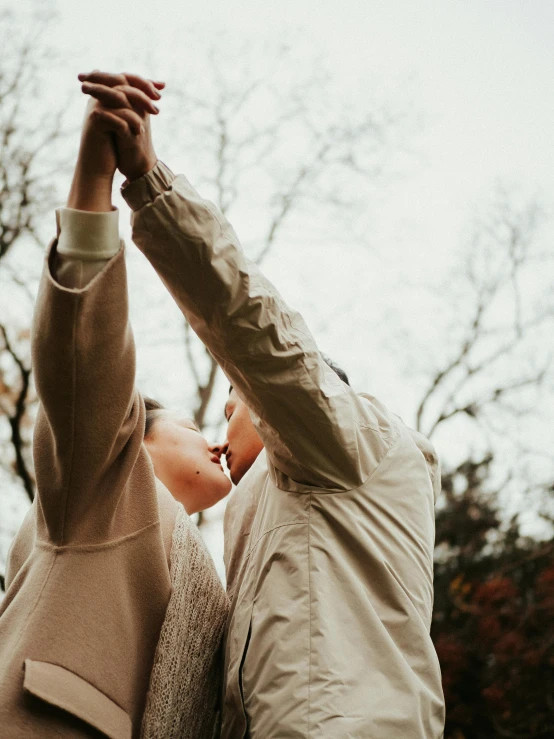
89,577
329,537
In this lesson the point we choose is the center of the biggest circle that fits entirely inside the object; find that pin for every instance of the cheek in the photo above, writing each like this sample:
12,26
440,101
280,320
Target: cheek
183,457
242,436
193,459
207,486
198,475
233,429
250,438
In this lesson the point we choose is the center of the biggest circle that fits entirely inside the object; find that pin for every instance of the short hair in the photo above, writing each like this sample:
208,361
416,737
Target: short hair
153,409
329,362
336,369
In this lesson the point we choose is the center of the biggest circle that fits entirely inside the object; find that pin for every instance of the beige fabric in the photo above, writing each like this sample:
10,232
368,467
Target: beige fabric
330,535
65,690
87,236
88,574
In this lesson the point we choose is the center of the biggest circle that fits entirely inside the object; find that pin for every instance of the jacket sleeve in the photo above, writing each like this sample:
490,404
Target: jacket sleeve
88,431
316,430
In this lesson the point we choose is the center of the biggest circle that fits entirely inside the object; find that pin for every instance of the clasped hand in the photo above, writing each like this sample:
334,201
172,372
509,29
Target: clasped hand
116,130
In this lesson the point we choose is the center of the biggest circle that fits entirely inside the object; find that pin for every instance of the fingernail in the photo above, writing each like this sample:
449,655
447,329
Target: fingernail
155,107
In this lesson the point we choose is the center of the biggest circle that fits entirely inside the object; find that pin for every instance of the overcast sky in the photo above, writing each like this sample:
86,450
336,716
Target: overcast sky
481,71
479,74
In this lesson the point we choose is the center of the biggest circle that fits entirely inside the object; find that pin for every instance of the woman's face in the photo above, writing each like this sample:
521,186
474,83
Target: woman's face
185,463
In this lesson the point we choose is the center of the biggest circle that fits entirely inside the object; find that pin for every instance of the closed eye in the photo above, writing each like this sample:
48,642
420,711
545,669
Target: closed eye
192,426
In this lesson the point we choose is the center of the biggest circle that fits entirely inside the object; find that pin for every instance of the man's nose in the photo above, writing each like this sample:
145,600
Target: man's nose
219,449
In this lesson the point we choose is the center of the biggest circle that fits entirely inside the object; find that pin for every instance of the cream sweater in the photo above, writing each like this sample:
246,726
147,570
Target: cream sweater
184,693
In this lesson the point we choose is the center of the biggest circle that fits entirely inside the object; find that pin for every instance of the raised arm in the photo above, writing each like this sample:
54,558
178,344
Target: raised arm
316,430
85,439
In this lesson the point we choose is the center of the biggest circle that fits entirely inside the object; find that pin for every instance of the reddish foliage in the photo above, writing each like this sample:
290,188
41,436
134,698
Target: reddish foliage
495,592
493,623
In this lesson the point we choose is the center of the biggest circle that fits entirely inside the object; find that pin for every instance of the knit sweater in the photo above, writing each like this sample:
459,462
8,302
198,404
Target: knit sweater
184,694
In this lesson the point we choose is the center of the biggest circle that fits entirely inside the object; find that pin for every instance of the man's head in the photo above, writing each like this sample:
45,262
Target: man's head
243,443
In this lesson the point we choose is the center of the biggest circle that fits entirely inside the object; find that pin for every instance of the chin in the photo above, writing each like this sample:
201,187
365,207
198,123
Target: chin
236,476
218,492
203,501
226,489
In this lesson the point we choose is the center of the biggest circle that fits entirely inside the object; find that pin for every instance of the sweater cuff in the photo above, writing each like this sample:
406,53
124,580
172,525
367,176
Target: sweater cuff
146,189
87,235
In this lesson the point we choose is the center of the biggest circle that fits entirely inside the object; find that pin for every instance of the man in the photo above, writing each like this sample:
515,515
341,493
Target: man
329,535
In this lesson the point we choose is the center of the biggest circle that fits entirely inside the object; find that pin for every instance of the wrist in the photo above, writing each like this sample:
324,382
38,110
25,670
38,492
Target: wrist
141,168
145,190
88,236
91,192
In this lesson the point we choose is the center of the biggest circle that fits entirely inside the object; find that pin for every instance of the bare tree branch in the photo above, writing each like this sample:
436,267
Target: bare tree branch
191,359
25,141
289,198
500,253
205,392
30,128
475,407
15,419
458,360
294,155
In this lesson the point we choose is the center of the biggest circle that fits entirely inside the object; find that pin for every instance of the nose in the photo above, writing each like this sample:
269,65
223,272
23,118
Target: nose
219,449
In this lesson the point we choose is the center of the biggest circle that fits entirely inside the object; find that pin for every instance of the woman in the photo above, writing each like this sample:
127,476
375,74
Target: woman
113,614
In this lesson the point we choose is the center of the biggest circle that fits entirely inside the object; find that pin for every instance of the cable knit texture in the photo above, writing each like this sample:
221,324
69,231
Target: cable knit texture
184,693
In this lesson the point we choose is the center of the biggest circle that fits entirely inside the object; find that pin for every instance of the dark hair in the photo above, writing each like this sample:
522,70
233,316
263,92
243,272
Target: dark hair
336,369
329,362
152,412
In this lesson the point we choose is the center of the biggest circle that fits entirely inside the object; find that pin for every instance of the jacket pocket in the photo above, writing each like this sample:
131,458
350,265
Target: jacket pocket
66,690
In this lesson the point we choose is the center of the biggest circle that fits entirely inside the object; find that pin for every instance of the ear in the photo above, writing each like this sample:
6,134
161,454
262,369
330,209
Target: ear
150,446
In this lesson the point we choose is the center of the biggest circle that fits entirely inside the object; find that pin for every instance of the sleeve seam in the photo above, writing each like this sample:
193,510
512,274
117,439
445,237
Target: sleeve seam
325,491
73,415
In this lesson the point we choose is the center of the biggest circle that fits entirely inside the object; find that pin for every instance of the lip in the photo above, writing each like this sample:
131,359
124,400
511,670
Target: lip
228,460
216,460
